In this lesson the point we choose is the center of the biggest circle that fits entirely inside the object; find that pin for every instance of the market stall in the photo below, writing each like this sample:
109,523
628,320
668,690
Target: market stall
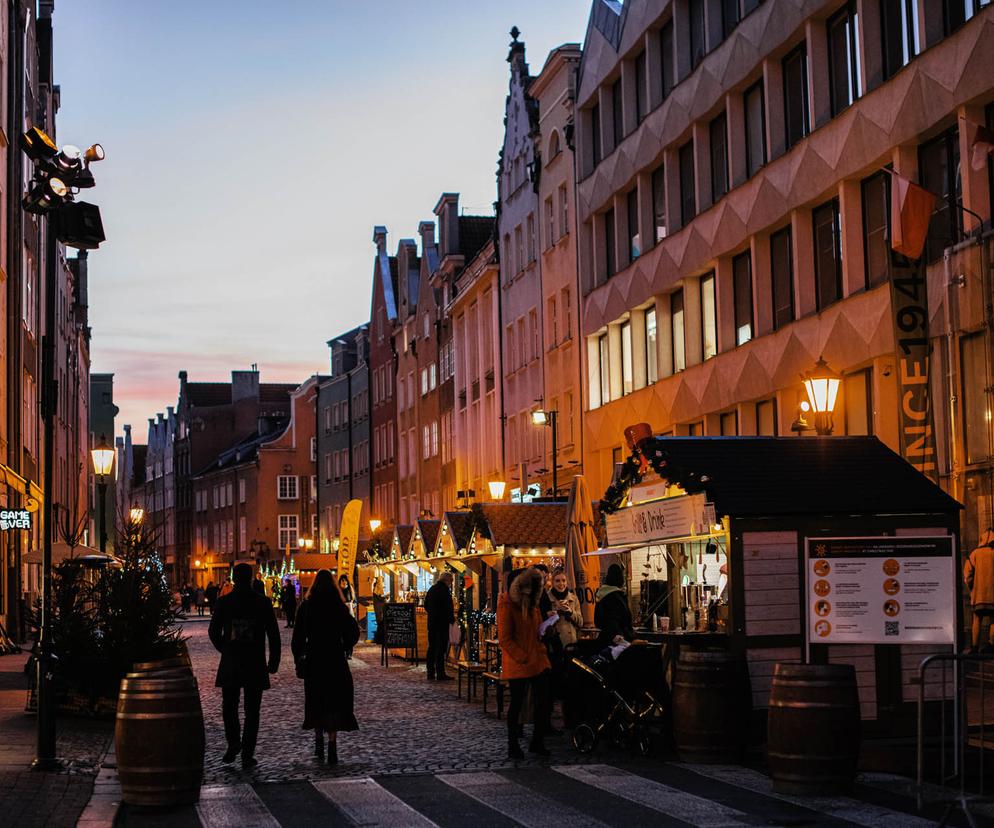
781,549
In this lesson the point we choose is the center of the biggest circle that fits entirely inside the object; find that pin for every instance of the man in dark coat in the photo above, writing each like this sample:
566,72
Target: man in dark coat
289,600
211,595
438,606
611,614
239,628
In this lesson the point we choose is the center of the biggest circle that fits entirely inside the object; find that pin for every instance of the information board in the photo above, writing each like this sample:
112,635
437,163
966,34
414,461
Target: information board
399,625
880,590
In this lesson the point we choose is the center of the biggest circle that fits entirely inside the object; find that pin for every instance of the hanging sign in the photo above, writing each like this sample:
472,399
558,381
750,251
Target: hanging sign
658,520
15,519
880,590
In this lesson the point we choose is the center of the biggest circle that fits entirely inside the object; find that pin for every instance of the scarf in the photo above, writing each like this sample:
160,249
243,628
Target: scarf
559,596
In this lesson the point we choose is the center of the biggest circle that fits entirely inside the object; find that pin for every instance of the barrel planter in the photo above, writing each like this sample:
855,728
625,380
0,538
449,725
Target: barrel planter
181,662
711,706
159,737
813,728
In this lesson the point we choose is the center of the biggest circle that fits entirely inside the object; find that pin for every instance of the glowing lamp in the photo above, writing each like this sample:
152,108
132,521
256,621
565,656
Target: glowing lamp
497,489
540,417
103,457
137,514
822,387
374,524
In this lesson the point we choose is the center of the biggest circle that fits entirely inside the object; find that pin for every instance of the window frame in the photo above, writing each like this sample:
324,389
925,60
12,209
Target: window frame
744,256
832,203
687,201
801,51
709,321
786,232
756,88
848,17
678,341
864,186
295,488
721,129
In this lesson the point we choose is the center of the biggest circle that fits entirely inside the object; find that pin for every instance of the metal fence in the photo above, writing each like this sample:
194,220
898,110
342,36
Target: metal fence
955,732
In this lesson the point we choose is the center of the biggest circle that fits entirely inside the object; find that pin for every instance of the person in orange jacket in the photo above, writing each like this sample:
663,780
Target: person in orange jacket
978,575
524,661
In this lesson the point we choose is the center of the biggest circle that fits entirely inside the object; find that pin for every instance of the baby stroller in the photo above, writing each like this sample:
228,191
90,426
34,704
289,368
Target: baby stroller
625,699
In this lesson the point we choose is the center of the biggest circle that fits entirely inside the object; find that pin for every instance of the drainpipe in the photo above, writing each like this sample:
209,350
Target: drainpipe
950,309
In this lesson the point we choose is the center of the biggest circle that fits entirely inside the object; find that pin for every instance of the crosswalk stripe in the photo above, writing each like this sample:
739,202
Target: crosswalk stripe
233,806
672,802
516,801
367,803
839,807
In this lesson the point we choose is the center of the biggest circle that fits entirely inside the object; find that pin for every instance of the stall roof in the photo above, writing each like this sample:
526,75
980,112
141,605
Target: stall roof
526,524
766,476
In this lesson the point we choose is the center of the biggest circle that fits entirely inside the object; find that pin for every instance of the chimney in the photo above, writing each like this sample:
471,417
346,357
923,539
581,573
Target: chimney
516,54
380,238
244,385
447,210
426,229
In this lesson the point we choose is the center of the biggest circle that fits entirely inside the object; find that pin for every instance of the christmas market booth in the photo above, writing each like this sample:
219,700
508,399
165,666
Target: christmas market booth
744,553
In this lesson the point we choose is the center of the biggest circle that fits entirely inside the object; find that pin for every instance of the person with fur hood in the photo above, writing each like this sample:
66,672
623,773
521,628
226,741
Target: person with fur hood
525,663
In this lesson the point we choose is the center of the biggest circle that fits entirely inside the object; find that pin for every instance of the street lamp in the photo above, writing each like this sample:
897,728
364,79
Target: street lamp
103,462
541,417
497,489
822,387
305,543
137,514
374,524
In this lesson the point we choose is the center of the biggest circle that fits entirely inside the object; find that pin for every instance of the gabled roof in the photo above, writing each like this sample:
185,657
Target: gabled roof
386,273
474,233
242,452
526,524
460,525
402,534
429,533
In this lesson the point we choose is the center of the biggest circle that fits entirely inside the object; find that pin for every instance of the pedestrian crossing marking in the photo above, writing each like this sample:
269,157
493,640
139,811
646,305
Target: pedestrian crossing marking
367,803
233,806
517,802
672,802
838,807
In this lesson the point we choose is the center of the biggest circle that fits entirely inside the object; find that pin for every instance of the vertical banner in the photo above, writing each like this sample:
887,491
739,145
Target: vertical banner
909,303
348,540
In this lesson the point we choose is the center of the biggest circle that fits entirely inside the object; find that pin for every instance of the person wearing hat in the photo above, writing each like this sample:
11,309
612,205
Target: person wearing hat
611,613
978,575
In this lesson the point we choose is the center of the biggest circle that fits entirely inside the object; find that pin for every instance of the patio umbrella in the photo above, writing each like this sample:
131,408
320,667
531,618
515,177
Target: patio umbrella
583,571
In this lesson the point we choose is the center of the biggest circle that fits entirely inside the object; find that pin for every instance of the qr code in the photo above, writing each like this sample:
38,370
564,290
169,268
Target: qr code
892,627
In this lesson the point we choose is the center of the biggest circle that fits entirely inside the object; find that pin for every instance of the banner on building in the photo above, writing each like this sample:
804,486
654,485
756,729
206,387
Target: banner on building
348,539
909,304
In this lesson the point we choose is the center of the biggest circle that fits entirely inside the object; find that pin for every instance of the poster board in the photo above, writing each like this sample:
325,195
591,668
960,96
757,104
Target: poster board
880,590
400,629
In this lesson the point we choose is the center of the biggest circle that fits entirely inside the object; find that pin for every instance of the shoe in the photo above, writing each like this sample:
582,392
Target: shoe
230,754
446,678
333,753
431,678
514,750
249,762
539,749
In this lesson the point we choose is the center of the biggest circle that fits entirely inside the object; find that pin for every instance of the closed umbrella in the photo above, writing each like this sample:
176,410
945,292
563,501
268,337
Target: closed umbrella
583,571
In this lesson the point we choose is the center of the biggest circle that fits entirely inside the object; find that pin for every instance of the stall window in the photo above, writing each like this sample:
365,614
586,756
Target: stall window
858,396
709,318
843,57
632,205
627,369
795,95
688,184
729,423
651,353
876,228
742,288
679,341
667,57
641,93
782,277
766,418
610,263
828,253
604,368
659,202
755,128
938,171
900,32
976,413
718,129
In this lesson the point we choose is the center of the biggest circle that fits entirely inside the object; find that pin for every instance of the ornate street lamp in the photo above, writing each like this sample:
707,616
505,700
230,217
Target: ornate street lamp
541,417
103,464
497,489
374,524
137,514
822,387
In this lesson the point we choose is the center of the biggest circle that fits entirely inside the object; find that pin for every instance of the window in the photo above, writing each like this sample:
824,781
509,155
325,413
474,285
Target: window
604,364
795,95
641,92
434,438
563,211
766,418
426,325
627,369
314,449
288,531
976,413
755,128
286,487
508,261
567,309
956,12
425,442
610,265
729,16
876,228
901,35
531,238
696,429
709,318
718,130
728,423
519,247
651,352
314,487
742,288
679,337
242,534
632,205
828,256
424,381
938,171
782,277
659,203
843,57
550,223
617,122
698,47
432,376
595,132
667,57
857,396
536,338
553,326
688,188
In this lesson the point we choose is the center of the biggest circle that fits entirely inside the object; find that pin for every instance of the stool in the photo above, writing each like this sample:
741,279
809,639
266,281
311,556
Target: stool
495,679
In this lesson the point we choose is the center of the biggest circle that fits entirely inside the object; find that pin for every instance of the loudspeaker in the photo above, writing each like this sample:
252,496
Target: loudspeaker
80,226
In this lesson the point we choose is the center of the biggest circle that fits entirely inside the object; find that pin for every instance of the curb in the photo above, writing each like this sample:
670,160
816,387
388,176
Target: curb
101,810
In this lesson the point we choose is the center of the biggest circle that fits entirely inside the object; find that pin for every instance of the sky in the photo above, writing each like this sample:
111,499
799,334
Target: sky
251,148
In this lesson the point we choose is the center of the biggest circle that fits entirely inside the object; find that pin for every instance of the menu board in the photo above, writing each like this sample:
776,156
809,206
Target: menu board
880,590
399,626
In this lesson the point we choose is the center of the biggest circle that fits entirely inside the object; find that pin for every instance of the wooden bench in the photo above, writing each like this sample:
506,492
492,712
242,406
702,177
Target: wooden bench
495,679
472,670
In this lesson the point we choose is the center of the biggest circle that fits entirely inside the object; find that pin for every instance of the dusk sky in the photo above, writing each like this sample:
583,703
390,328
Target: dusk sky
251,148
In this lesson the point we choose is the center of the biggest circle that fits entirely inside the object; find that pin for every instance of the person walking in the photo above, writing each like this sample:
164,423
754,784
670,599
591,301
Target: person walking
289,601
200,599
978,576
524,661
611,614
239,630
211,595
186,598
226,587
323,634
438,606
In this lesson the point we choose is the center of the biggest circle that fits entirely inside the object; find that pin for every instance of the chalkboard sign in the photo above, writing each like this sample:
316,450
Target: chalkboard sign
399,626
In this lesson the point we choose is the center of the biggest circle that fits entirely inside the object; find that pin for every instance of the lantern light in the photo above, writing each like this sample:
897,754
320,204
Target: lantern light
103,457
497,489
374,524
822,386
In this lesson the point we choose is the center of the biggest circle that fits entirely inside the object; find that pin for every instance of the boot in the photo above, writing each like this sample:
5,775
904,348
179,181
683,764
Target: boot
333,752
538,748
513,748
319,745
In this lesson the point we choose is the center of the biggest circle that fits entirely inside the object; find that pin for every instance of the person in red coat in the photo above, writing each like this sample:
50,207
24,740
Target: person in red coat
525,663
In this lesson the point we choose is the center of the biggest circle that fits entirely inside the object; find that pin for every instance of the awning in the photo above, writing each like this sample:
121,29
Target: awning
608,550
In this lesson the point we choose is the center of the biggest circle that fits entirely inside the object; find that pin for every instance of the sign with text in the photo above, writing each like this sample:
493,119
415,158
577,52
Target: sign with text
14,519
399,625
658,520
880,590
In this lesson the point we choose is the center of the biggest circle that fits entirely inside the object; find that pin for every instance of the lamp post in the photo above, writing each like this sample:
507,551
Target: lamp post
103,462
542,417
822,387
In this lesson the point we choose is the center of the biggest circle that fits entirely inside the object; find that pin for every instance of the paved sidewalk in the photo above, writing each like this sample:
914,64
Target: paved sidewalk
28,798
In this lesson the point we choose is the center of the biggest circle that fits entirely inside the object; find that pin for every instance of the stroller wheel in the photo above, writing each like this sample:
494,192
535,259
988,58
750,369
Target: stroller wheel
584,738
619,734
643,741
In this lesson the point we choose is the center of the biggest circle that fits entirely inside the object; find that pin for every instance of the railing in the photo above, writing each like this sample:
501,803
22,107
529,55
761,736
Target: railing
951,754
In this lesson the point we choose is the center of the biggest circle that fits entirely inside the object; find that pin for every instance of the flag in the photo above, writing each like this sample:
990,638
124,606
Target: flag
348,539
911,209
982,144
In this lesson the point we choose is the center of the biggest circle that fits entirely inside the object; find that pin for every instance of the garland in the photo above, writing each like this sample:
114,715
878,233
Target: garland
649,453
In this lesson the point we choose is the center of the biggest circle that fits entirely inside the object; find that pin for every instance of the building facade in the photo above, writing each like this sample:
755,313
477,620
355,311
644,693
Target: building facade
160,489
405,348
103,412
733,213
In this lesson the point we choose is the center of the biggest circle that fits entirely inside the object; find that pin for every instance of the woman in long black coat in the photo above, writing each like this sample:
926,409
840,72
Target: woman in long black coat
324,632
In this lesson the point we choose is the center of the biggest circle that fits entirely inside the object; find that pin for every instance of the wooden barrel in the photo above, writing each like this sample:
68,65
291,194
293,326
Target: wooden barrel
177,663
159,736
813,728
711,706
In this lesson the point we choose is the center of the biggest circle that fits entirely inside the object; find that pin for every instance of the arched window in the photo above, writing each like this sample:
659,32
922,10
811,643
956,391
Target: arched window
554,148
